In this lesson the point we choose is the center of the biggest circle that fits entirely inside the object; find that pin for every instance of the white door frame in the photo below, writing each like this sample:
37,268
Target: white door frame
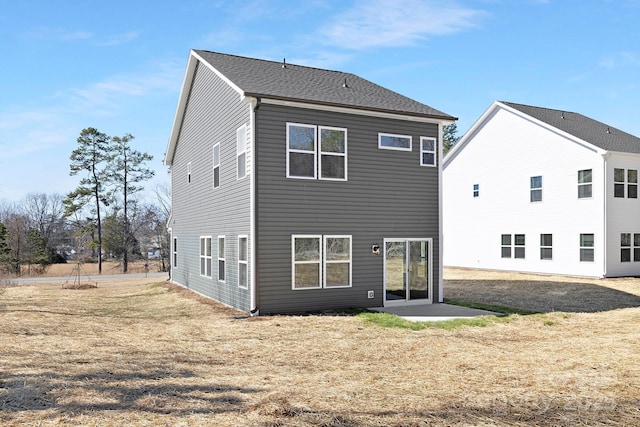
408,300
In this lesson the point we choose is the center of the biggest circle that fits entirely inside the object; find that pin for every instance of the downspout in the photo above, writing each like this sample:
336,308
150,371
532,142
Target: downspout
440,210
605,198
254,310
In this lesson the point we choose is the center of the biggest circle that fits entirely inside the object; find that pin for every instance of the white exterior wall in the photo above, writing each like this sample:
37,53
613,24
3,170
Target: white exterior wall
623,216
501,157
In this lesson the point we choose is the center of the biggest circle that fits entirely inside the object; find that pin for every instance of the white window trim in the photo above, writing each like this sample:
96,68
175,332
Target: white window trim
331,153
245,263
315,152
584,184
216,166
325,261
517,246
592,248
223,258
206,257
294,262
423,151
546,247
532,189
241,148
174,253
382,147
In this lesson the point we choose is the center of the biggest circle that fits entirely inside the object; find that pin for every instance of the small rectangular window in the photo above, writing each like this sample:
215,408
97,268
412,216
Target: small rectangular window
618,182
306,260
536,188
175,252
632,183
243,262
587,248
216,166
625,247
476,190
205,256
428,151
389,141
546,246
636,247
584,184
333,153
241,151
519,246
506,246
301,151
221,259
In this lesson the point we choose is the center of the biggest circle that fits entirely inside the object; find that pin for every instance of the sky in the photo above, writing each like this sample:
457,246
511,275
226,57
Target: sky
118,65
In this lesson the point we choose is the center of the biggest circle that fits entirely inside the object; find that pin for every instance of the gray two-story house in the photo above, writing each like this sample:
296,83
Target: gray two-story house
300,189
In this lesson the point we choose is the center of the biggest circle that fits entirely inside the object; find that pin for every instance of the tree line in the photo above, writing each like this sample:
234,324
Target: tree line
101,219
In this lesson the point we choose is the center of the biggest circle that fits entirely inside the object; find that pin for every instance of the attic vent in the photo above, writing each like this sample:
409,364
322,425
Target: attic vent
608,130
345,83
284,62
563,115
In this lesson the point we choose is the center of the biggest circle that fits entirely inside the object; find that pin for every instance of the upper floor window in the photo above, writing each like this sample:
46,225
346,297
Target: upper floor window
216,166
625,178
241,151
476,190
536,188
584,184
389,141
305,157
427,151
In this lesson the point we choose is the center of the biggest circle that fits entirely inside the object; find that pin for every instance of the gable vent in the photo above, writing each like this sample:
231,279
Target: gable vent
345,83
284,62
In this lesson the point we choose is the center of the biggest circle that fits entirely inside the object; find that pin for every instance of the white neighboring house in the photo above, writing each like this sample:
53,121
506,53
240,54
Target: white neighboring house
540,190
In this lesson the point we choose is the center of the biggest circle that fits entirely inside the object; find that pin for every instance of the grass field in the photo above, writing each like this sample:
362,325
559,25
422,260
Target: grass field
135,353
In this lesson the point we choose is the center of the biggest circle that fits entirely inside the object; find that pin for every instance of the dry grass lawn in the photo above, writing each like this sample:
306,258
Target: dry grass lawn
135,353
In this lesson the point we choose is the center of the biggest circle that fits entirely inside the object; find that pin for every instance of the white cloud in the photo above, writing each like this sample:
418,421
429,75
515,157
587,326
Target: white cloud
389,23
119,39
620,60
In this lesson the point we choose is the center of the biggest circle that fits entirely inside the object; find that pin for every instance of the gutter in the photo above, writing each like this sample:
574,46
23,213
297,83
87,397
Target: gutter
605,227
254,104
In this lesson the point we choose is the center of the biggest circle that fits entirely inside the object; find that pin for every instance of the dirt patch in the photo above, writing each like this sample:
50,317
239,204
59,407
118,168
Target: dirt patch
542,293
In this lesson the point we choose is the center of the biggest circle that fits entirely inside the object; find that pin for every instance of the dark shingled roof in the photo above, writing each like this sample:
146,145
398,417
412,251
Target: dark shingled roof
268,79
592,131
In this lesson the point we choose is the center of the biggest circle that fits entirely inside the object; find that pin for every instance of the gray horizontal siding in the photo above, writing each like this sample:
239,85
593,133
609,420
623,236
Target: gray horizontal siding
213,114
388,194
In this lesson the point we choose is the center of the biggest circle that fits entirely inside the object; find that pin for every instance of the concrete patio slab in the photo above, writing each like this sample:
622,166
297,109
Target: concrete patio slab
434,312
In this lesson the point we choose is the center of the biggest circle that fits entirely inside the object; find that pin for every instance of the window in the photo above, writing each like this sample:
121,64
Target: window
586,247
519,245
306,159
221,259
333,153
427,151
337,261
301,151
517,249
506,245
476,190
243,259
584,184
618,182
321,262
536,188
241,150
189,172
632,183
546,246
205,256
306,260
625,247
175,252
394,142
216,166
